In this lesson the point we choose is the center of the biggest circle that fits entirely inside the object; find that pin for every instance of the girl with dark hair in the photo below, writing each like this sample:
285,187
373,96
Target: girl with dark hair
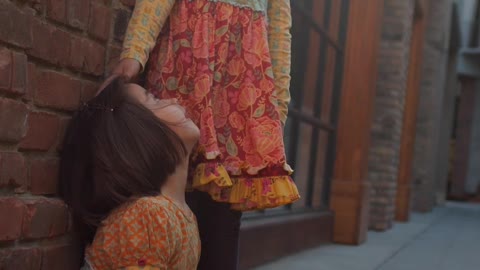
123,173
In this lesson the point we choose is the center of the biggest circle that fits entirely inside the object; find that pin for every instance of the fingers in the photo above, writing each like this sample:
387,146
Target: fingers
107,82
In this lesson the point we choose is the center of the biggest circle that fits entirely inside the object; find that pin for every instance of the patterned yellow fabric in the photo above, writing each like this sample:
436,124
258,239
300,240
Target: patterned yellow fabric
151,233
147,20
149,17
279,39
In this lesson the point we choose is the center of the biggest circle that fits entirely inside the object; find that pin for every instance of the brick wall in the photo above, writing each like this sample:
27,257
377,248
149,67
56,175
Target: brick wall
432,91
393,62
53,53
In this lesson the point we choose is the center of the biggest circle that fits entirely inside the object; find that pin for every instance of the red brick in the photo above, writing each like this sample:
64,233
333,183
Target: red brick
42,131
60,47
12,211
77,57
19,76
78,13
57,10
87,56
50,44
13,116
44,218
100,21
43,176
89,90
21,258
61,257
13,170
113,56
56,90
61,134
13,72
42,41
31,81
6,63
94,57
15,25
120,25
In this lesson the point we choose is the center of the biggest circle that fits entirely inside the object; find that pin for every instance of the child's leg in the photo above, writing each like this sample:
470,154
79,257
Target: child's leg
219,232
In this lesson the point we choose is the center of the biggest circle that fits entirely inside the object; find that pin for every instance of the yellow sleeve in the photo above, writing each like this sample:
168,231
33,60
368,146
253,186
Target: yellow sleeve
280,41
147,21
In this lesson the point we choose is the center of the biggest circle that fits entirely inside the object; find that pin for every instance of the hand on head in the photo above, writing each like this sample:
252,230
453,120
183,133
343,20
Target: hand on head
127,68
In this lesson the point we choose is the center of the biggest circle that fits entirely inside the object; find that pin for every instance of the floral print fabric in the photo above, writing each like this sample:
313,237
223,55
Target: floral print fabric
150,233
216,59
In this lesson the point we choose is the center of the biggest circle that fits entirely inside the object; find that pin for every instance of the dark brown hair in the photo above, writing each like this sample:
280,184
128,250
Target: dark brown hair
114,150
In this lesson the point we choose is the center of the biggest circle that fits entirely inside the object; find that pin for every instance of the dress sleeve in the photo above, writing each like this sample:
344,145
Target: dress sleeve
147,21
280,39
146,239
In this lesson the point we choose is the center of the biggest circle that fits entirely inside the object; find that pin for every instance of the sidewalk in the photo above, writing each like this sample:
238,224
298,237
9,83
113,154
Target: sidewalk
447,238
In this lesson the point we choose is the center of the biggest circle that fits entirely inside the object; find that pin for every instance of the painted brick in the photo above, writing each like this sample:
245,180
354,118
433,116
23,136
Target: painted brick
100,21
30,259
16,25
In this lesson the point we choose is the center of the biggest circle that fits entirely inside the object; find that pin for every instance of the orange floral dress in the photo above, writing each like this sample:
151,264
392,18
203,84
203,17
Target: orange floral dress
227,62
150,233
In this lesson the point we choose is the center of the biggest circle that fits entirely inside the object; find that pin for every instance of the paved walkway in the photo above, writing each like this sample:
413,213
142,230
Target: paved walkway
446,239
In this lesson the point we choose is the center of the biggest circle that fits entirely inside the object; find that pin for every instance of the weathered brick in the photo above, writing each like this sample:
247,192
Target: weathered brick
15,25
13,170
44,218
61,257
393,60
6,66
100,21
20,258
57,90
12,211
13,116
50,44
43,176
77,58
31,81
42,131
57,10
19,74
42,38
121,22
113,57
13,72
78,13
89,90
89,56
60,47
61,134
94,57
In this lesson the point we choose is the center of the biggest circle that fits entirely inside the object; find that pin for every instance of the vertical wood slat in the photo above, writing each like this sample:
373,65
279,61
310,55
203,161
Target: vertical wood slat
407,146
349,195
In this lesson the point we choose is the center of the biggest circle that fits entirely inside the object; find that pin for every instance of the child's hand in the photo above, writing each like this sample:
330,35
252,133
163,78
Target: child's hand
127,68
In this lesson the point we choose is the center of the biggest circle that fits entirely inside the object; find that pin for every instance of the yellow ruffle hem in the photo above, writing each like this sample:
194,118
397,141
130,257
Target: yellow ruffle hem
254,192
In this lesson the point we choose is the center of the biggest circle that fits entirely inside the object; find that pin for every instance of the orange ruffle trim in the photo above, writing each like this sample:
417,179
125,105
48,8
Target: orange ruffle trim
245,193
